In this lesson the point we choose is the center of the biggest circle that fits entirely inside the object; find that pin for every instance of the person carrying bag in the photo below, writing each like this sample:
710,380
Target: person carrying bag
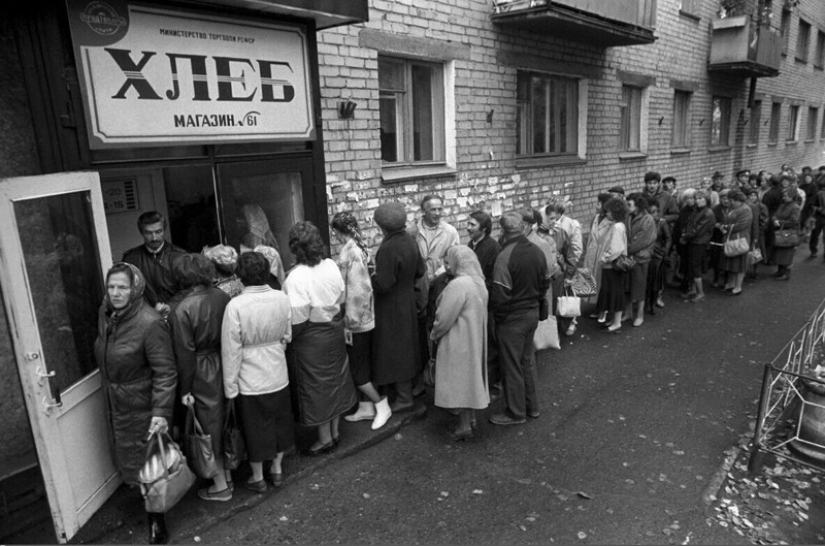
165,477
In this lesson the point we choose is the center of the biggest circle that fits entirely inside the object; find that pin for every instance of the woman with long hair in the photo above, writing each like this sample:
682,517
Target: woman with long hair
612,292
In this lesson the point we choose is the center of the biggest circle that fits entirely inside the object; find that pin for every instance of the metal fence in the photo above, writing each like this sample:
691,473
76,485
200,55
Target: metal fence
786,383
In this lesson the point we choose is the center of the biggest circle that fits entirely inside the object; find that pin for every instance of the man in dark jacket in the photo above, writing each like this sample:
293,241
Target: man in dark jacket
668,209
772,199
154,259
520,285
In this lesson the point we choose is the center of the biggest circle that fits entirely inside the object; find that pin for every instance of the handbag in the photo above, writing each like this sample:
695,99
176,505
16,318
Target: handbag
198,446
755,256
429,373
736,247
624,263
547,335
569,306
233,445
165,477
584,284
786,237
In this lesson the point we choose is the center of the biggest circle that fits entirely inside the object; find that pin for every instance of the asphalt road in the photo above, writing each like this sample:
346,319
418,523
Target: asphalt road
633,427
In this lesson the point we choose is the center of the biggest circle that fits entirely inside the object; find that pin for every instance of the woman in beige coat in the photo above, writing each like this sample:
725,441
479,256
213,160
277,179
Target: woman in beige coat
460,329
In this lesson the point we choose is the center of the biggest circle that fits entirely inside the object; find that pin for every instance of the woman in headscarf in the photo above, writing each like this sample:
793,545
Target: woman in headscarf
137,364
317,357
737,224
786,217
277,275
255,331
359,319
225,258
460,329
196,324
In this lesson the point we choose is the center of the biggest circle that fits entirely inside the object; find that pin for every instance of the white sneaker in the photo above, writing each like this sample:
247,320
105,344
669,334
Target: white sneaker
382,413
366,410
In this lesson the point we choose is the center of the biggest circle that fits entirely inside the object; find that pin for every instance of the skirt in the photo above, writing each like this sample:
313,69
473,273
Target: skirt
360,358
638,281
695,263
612,291
735,264
783,255
267,424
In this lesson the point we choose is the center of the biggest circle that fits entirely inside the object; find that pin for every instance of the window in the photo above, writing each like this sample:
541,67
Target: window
688,6
411,105
803,36
822,131
793,122
681,119
755,122
785,29
547,119
819,54
631,119
720,122
813,114
776,114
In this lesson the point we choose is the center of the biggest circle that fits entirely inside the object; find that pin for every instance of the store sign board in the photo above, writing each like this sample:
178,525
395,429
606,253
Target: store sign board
153,76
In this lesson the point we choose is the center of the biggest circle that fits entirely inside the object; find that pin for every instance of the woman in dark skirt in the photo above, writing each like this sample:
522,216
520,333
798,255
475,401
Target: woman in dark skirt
696,238
255,332
612,292
641,237
196,332
318,363
737,224
786,217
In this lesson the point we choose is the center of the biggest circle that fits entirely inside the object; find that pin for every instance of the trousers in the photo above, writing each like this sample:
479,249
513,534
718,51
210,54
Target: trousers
517,360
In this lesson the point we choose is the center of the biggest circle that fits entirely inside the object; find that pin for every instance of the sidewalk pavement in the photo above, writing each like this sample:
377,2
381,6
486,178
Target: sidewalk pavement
122,519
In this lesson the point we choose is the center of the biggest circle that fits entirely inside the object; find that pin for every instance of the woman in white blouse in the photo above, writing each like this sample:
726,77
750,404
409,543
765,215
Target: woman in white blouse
318,365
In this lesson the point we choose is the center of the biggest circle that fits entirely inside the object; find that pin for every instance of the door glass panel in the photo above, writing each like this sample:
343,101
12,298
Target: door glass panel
60,252
260,209
190,199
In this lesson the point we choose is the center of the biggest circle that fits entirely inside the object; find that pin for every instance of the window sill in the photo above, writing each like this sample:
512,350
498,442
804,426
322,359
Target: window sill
679,151
392,175
549,161
752,145
810,140
801,61
819,67
632,156
772,143
718,149
689,15
791,142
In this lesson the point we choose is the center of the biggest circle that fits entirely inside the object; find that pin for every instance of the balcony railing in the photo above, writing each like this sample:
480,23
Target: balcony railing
605,23
740,47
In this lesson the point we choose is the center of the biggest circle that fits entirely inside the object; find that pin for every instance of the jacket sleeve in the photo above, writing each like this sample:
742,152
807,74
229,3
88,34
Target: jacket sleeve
575,248
185,354
159,353
672,213
385,276
667,236
231,351
617,243
742,220
448,309
643,237
502,284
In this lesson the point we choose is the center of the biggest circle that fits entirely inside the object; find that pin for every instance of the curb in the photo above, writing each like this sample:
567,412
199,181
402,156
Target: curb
715,483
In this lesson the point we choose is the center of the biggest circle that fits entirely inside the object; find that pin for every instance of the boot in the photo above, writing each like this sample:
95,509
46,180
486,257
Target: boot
366,410
382,413
157,529
404,397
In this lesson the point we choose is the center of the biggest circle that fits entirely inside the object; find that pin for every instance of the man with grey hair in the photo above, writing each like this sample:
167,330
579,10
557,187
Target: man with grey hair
520,283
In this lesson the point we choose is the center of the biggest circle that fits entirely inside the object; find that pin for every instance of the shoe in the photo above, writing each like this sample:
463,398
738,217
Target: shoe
698,298
157,529
382,413
277,478
231,485
735,292
614,328
495,394
505,420
461,436
336,440
533,414
660,303
401,408
571,330
728,288
221,496
638,322
602,319
625,318
689,296
594,315
320,450
783,277
257,487
366,410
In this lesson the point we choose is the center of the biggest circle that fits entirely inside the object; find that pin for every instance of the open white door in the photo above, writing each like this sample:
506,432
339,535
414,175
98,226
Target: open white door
54,250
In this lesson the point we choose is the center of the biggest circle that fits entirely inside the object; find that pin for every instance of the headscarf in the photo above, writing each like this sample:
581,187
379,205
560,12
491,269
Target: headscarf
346,223
276,266
138,287
462,261
257,225
222,255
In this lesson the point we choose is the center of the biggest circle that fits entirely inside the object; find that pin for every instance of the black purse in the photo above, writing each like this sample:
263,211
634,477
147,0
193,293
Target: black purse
233,445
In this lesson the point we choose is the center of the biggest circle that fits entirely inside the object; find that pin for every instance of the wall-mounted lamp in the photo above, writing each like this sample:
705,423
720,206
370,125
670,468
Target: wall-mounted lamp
346,109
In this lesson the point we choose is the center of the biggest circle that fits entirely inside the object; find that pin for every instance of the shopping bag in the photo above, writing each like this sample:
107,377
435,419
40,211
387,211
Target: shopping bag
547,335
584,284
198,446
165,477
233,446
569,305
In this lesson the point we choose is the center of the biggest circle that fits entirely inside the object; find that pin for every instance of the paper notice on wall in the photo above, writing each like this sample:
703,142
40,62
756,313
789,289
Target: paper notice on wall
495,208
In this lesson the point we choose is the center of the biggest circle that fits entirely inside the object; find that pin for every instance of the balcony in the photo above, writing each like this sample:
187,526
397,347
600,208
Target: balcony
325,13
605,23
739,48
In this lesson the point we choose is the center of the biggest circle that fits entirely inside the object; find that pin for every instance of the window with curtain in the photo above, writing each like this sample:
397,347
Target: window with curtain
631,119
720,122
681,119
755,122
547,118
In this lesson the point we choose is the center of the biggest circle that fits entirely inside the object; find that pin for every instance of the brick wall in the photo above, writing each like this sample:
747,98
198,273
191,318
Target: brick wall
487,175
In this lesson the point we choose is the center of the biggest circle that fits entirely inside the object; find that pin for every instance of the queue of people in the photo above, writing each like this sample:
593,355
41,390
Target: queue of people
223,333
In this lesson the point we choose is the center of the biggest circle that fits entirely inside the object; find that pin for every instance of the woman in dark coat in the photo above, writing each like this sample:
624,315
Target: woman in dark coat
196,325
736,225
398,264
786,217
641,238
696,237
134,352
